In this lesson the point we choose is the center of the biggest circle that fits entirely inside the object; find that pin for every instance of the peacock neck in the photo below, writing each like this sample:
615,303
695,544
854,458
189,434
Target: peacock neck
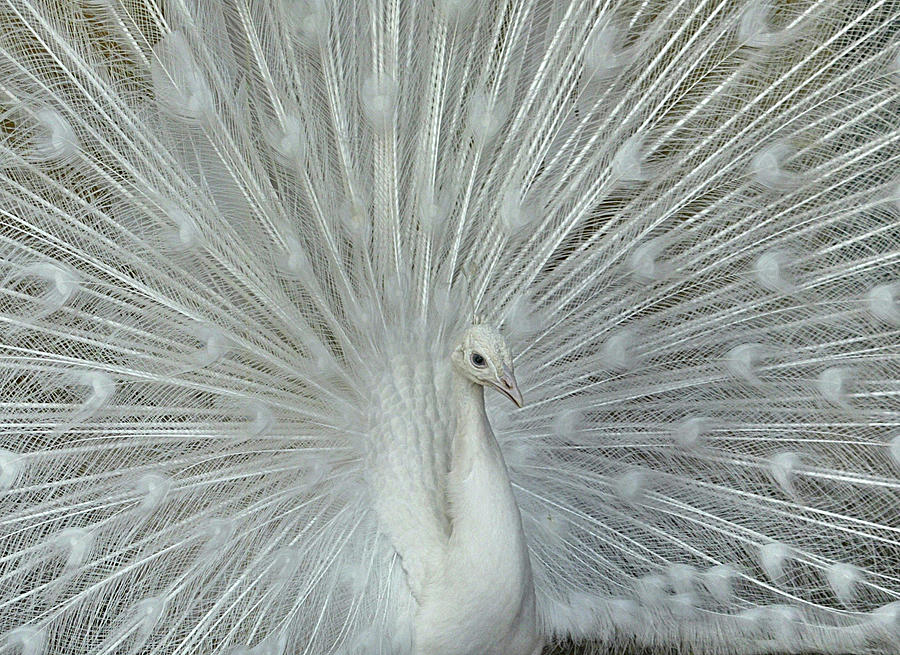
482,601
483,512
473,437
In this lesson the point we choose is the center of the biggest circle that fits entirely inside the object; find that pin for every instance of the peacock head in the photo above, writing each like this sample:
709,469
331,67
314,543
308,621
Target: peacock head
483,357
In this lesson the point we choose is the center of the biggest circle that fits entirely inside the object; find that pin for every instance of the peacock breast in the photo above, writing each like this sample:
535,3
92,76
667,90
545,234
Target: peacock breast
407,441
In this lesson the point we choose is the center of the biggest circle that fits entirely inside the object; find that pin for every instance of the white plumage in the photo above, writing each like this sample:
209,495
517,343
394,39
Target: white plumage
242,245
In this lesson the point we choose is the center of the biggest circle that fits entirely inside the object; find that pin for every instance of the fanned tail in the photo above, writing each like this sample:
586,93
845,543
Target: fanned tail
233,234
710,453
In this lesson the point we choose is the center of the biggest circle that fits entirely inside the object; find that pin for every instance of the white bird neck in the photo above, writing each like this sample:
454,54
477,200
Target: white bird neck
483,599
473,430
484,516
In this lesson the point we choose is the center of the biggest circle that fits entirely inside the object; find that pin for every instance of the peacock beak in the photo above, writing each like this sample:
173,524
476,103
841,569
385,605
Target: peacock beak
506,384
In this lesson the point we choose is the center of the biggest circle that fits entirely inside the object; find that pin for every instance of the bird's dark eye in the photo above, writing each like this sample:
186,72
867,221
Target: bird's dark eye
478,359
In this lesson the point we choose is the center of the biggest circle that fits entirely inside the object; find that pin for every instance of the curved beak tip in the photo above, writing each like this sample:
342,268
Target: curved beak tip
508,386
517,398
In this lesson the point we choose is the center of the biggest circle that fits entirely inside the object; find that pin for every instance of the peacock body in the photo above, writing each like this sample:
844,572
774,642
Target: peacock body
243,245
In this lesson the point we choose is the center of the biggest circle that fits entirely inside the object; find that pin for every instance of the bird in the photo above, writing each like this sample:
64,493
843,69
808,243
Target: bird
451,327
484,553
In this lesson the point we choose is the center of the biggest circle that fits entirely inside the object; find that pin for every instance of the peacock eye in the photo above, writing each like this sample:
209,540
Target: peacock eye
478,360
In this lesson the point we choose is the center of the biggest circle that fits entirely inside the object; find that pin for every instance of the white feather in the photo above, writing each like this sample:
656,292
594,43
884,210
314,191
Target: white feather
238,241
